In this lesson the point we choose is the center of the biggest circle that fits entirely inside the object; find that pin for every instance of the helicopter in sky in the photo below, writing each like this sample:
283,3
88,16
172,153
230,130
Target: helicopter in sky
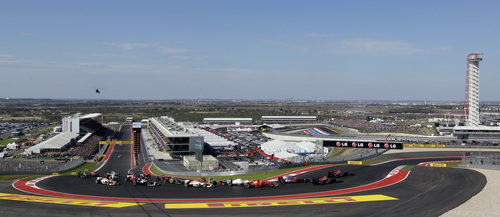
98,90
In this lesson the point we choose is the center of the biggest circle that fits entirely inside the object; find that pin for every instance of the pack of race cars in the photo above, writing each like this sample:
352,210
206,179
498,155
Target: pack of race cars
113,179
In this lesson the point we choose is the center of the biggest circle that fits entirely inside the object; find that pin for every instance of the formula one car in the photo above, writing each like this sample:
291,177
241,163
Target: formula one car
113,175
261,183
130,177
338,173
106,181
142,180
197,183
287,179
324,180
232,182
292,179
174,180
84,175
146,182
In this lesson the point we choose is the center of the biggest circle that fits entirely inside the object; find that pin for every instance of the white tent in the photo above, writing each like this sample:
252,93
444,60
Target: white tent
275,146
11,146
289,156
308,147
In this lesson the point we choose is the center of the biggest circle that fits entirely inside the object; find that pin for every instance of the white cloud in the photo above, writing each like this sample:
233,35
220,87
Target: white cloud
318,35
6,55
162,48
9,62
169,50
378,47
130,46
442,48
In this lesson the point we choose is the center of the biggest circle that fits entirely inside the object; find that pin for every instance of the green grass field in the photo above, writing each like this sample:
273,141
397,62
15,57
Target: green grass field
253,176
87,166
4,142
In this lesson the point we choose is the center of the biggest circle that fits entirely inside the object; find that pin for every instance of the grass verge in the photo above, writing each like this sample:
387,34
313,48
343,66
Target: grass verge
13,177
408,168
4,142
452,164
87,166
252,176
370,162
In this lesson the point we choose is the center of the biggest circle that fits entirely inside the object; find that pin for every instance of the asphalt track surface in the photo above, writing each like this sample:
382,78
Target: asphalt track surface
426,192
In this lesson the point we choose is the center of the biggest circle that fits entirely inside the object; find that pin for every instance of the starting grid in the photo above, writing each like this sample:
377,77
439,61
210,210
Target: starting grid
309,201
66,201
263,203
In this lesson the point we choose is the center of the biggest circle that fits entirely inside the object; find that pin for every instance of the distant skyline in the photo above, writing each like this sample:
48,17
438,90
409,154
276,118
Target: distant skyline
316,50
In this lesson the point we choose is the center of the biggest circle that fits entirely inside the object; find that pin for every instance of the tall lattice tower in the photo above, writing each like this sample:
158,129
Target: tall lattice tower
472,89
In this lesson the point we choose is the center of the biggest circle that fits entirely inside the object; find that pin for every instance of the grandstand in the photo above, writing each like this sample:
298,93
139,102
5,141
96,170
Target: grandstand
228,121
57,143
289,119
215,141
171,137
316,131
83,142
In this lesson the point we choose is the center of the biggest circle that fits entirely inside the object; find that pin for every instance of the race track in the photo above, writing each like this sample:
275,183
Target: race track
427,191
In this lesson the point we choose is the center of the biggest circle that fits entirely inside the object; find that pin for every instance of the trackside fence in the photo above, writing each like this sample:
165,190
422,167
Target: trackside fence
224,173
13,166
482,160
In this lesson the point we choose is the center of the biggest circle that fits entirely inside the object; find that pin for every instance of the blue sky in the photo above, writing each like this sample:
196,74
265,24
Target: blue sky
324,50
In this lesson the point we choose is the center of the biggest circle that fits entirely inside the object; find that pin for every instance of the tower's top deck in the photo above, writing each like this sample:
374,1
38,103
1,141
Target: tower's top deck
475,57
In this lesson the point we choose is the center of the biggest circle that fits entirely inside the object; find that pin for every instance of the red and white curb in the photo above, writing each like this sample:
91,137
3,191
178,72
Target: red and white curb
394,177
438,162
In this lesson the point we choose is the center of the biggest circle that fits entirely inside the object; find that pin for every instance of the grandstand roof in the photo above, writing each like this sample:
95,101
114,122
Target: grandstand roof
91,115
56,142
289,117
169,128
227,119
275,126
84,138
477,128
212,139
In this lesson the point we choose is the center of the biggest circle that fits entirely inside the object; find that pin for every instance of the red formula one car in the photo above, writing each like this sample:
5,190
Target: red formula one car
338,173
261,183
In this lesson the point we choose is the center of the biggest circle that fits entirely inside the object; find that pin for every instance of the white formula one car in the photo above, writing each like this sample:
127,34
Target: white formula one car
231,182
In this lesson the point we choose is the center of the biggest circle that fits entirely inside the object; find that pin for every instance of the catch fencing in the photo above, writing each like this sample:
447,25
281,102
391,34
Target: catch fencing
14,166
223,173
481,160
